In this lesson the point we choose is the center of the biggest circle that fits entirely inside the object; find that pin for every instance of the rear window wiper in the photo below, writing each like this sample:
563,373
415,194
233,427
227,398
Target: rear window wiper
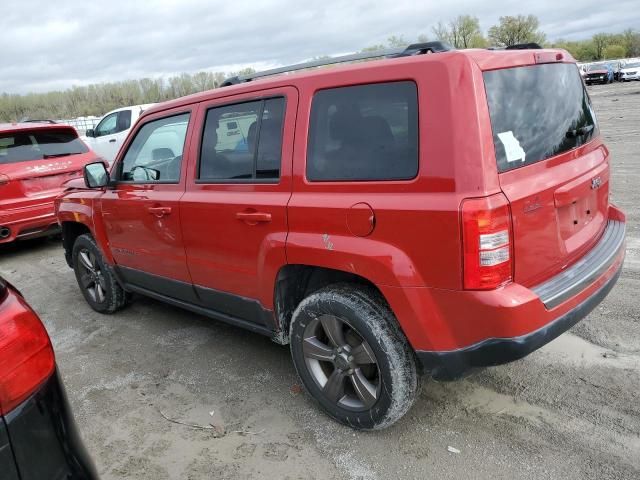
578,132
54,155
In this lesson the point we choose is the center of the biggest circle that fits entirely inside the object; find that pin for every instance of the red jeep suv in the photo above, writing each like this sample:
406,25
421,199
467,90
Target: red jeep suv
418,213
36,160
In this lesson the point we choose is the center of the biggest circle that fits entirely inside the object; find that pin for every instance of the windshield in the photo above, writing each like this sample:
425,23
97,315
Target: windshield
632,65
30,145
597,66
537,112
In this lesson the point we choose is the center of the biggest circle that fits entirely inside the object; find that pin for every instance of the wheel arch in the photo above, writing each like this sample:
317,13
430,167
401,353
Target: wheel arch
294,282
70,232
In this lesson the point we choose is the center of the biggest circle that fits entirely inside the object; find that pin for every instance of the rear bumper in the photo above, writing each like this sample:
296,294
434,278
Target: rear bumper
496,351
454,331
28,222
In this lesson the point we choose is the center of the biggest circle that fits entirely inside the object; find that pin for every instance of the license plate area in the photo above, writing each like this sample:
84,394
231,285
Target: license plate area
580,221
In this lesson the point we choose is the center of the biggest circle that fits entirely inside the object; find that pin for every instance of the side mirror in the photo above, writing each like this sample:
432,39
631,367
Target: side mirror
90,133
96,175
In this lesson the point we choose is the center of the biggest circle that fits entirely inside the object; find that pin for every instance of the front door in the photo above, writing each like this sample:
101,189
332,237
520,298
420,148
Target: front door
234,217
110,133
141,211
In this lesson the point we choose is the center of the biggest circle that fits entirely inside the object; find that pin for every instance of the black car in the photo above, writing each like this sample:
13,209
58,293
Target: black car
38,436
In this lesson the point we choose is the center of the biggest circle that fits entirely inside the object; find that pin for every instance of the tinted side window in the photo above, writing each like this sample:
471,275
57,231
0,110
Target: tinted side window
243,141
365,132
124,121
155,155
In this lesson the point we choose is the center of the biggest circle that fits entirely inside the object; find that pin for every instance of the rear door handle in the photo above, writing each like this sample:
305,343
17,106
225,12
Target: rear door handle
252,218
159,211
113,140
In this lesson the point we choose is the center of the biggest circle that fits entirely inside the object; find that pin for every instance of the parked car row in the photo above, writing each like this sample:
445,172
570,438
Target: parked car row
610,71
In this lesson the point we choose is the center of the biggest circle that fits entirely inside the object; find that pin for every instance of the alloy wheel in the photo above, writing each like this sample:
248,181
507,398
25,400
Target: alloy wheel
91,276
341,363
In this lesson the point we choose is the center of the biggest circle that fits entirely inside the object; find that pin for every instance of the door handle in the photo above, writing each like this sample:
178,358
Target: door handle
252,218
159,211
113,140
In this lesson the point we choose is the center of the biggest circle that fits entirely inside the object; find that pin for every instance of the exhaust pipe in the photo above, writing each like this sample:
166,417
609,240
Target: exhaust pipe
4,232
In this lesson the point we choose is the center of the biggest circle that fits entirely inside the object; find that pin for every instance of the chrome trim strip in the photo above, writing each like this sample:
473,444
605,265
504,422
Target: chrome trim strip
579,275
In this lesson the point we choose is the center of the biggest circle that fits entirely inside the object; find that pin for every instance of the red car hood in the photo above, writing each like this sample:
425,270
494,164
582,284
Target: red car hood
597,71
48,166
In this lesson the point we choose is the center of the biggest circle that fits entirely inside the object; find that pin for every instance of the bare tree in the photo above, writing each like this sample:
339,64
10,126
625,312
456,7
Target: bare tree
441,32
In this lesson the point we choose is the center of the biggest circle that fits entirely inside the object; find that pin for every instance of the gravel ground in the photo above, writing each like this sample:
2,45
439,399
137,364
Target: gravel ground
570,410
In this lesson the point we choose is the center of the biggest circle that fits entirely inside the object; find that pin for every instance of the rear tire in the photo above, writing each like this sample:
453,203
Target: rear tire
352,356
95,278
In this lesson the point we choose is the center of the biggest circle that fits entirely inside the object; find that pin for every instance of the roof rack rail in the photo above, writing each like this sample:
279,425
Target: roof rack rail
413,49
524,46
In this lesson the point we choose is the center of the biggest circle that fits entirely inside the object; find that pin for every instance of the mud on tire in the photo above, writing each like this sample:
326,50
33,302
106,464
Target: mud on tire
352,356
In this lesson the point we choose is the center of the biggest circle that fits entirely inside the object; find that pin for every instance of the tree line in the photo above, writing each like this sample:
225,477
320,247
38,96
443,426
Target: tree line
462,32
97,99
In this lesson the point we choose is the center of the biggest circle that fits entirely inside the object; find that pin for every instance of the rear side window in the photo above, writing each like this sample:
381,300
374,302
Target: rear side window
124,120
155,154
537,112
364,132
243,142
38,144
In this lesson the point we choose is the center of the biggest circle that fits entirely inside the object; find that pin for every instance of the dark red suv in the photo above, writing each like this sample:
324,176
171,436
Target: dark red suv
427,213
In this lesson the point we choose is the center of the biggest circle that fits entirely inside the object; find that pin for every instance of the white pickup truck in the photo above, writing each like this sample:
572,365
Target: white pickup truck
107,137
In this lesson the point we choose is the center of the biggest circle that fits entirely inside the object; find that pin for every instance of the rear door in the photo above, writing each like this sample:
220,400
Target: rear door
141,210
234,217
552,165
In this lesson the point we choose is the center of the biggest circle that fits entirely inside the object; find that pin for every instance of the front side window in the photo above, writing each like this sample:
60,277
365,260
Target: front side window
243,141
25,146
155,155
364,132
107,125
114,123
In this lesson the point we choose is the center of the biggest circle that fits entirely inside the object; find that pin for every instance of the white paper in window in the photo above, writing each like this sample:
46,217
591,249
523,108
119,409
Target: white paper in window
512,148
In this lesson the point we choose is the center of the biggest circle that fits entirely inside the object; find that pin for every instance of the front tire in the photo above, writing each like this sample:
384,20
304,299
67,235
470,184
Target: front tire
352,356
95,278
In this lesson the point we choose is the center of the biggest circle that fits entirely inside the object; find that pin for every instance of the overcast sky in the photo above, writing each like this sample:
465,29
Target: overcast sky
49,45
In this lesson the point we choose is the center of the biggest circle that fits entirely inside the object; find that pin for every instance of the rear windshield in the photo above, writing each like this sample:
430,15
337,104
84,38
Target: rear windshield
24,146
537,112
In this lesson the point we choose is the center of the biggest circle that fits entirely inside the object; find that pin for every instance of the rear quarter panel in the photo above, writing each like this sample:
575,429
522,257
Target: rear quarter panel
416,240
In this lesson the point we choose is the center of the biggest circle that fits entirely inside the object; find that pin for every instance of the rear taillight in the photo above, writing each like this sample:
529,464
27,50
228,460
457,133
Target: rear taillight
486,236
26,356
4,180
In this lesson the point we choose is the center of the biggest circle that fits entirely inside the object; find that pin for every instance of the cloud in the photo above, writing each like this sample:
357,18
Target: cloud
55,45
